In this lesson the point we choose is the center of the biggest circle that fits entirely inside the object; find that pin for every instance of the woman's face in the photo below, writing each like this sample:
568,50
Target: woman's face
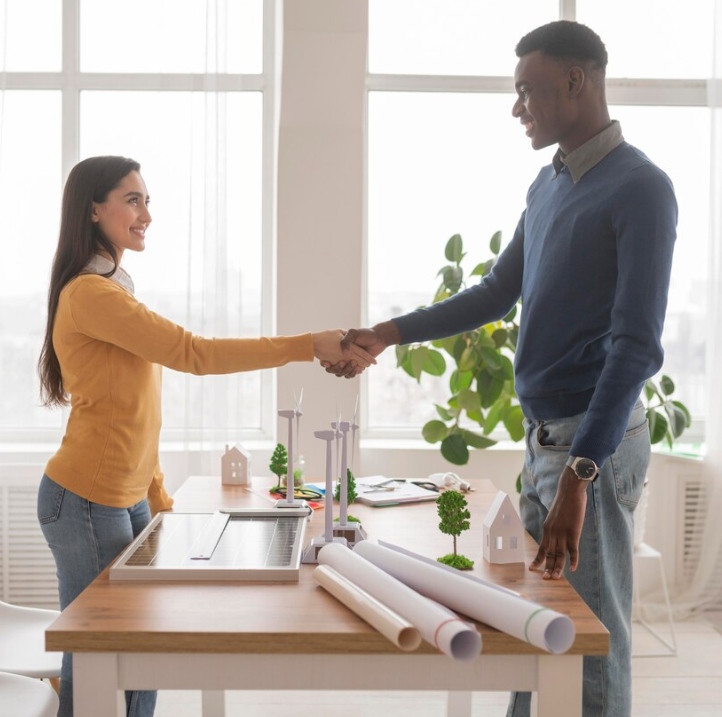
123,217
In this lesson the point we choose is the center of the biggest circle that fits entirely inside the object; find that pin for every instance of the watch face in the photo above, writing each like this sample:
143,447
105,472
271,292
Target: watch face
585,468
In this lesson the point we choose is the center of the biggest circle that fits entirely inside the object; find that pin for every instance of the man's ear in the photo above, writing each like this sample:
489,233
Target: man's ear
575,80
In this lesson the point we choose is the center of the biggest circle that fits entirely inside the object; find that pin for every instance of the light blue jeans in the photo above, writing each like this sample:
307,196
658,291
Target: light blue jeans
604,575
84,538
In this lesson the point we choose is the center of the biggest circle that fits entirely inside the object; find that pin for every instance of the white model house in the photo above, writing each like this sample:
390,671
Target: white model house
236,466
503,532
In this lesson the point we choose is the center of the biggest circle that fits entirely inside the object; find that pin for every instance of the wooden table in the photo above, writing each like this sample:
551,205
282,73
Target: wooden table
217,636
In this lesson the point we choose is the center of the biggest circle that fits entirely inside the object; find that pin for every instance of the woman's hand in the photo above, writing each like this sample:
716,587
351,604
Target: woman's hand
327,348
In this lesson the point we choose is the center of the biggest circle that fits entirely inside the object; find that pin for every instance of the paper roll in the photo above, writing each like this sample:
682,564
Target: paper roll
521,618
392,626
437,625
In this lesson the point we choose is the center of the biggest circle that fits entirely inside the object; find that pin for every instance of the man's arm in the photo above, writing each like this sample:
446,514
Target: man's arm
490,300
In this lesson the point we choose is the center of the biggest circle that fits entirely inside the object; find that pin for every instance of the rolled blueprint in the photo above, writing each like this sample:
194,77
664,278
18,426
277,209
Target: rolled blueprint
391,625
521,618
437,625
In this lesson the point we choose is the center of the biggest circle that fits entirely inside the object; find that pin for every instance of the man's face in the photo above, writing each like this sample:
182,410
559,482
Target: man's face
543,104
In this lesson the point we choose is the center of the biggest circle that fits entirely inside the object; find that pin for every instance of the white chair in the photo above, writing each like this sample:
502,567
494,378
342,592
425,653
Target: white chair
25,697
644,552
22,647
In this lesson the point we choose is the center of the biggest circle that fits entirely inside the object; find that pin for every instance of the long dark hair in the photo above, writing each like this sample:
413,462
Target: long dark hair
80,239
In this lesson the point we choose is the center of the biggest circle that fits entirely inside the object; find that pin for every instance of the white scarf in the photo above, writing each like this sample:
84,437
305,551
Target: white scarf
100,265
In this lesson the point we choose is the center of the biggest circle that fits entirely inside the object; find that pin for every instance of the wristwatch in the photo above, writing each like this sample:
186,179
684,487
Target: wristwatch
584,468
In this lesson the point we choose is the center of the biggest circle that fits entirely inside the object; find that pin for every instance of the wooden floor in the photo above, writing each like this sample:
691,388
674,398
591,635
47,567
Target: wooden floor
689,685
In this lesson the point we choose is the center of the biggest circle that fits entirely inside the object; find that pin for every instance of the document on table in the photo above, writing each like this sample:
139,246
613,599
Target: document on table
380,491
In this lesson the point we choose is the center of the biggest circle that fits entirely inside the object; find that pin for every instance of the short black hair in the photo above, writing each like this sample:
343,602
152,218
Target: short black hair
565,40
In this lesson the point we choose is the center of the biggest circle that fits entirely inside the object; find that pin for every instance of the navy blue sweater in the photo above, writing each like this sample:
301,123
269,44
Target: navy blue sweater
591,262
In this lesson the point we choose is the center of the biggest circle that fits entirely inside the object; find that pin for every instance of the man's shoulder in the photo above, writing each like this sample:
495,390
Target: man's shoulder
633,166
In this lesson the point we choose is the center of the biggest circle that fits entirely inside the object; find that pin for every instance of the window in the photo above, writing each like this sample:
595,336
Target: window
187,92
446,157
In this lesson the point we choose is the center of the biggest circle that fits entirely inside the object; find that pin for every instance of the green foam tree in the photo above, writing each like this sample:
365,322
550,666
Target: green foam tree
279,463
351,494
454,513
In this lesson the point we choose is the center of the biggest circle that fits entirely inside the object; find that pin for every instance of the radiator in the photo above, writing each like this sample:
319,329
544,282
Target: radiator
27,568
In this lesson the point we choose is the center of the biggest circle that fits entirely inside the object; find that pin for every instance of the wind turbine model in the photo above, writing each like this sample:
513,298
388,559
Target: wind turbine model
290,501
354,428
310,555
350,530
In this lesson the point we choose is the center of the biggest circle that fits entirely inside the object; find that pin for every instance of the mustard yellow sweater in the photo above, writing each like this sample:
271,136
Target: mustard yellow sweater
110,346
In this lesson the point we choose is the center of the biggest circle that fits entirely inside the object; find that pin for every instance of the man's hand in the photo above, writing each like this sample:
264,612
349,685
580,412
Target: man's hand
563,527
328,347
373,341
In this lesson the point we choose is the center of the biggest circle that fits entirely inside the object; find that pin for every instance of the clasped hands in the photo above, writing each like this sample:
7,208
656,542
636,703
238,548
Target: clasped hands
359,348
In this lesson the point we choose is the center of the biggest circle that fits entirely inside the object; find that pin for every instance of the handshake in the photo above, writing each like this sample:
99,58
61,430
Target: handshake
357,350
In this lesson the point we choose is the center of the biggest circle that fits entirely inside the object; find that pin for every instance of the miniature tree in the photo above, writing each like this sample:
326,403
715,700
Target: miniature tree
279,464
350,494
454,514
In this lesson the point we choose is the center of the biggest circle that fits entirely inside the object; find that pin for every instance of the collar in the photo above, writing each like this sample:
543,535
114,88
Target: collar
590,154
100,265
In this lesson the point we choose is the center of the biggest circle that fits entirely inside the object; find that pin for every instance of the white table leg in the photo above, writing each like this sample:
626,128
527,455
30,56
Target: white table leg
560,687
458,704
95,685
213,703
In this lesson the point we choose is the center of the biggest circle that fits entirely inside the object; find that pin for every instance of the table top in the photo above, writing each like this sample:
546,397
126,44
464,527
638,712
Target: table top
296,618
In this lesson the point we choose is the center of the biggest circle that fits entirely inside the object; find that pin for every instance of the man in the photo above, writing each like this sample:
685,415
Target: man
591,259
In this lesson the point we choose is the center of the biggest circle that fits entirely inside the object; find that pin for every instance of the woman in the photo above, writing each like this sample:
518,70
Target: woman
102,354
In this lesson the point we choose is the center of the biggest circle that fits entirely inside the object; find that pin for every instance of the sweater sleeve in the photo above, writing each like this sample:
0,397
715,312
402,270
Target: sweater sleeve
644,220
490,300
104,311
158,498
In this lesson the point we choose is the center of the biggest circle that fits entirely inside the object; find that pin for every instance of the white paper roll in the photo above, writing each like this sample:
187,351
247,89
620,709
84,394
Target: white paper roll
521,618
437,625
391,625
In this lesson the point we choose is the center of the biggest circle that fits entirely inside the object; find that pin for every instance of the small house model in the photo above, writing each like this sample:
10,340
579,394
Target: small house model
236,466
503,532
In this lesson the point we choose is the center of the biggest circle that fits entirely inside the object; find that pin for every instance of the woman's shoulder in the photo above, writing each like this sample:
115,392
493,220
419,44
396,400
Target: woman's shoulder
89,283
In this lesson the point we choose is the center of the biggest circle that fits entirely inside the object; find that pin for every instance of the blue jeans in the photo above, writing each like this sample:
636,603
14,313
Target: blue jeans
603,577
84,538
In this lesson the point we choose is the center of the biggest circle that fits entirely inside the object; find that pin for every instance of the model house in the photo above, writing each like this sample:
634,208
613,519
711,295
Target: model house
236,466
503,532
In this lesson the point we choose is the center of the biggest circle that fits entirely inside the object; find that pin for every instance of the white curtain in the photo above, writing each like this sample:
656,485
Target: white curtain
705,589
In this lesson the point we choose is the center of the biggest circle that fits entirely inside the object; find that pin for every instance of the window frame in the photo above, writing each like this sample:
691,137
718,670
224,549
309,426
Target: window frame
70,82
620,91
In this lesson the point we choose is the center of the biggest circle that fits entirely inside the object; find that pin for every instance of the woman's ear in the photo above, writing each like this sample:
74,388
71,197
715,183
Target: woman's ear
94,214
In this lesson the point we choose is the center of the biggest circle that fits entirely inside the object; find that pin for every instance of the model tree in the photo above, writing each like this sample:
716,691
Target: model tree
279,464
454,514
350,494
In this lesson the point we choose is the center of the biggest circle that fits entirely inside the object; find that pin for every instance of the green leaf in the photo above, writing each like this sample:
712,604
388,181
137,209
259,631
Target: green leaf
418,356
475,440
434,363
518,484
495,413
511,315
453,276
445,415
667,385
435,431
492,358
650,389
495,243
455,450
489,388
401,353
513,337
459,347
483,338
513,421
468,359
460,380
657,425
478,270
677,419
446,344
454,248
686,412
499,337
441,294
469,400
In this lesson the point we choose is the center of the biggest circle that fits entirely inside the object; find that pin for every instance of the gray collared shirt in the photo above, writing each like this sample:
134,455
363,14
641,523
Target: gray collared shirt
100,265
591,153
